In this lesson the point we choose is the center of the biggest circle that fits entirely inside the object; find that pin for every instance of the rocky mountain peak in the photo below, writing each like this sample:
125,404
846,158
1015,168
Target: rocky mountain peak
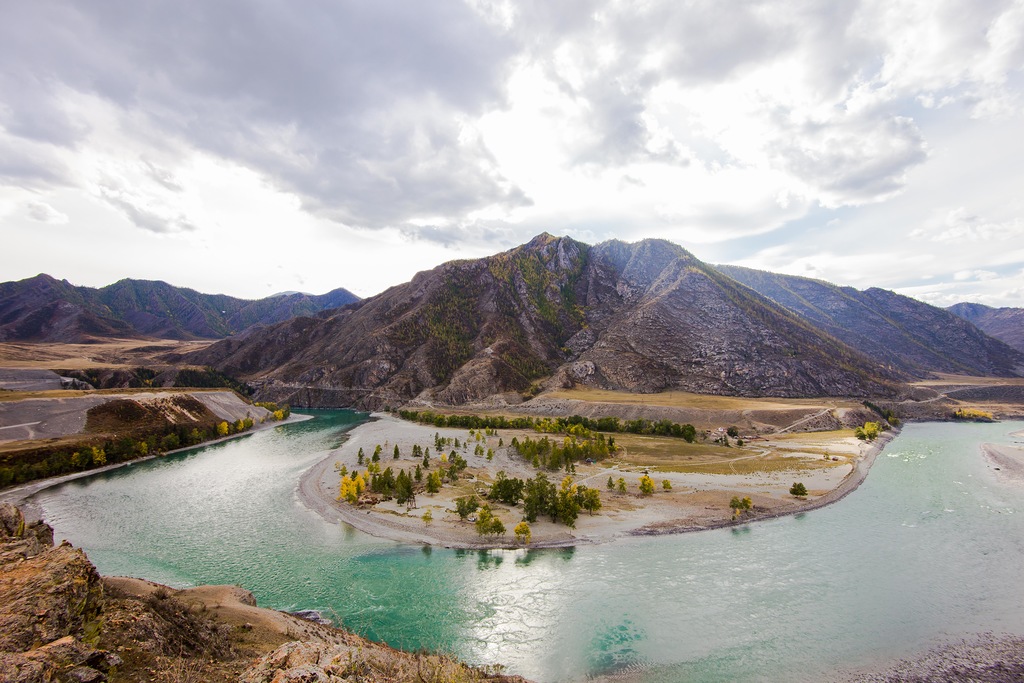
638,317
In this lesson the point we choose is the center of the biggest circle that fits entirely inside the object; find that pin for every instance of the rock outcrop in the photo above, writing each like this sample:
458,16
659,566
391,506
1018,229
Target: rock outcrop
50,609
60,622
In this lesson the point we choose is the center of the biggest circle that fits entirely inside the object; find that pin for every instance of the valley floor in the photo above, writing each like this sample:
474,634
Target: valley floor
829,464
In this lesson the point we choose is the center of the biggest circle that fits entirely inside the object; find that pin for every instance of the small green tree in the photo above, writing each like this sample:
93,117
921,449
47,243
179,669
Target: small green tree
798,489
433,483
740,505
396,452
466,506
567,504
621,485
591,500
487,524
666,484
428,517
611,483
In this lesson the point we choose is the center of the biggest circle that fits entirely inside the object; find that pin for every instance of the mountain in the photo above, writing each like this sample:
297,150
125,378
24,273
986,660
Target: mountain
1006,324
638,317
45,309
897,331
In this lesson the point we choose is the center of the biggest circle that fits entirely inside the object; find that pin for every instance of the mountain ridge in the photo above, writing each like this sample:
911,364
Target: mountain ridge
640,317
1005,324
45,309
907,334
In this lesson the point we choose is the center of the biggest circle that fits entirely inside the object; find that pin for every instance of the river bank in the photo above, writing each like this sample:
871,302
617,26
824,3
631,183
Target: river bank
696,501
1006,461
21,495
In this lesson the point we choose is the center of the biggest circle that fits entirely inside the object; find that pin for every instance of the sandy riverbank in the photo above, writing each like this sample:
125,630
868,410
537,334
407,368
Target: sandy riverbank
697,501
1006,461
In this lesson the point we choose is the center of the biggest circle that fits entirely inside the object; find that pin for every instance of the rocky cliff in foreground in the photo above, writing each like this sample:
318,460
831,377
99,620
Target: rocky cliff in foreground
642,317
60,622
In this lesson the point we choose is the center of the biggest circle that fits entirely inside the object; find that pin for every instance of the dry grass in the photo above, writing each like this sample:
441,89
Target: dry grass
108,354
675,455
682,399
75,393
653,448
943,380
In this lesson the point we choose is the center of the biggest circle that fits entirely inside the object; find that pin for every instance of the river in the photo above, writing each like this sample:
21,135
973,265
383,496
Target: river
927,550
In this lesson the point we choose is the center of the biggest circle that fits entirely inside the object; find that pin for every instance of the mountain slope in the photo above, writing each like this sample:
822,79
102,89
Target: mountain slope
1005,324
896,330
465,330
45,309
680,324
638,317
49,310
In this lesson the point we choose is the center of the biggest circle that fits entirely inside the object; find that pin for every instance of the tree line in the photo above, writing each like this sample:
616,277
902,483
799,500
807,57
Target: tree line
18,467
555,425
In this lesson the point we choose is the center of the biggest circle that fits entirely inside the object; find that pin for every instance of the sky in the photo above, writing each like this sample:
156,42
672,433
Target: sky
249,148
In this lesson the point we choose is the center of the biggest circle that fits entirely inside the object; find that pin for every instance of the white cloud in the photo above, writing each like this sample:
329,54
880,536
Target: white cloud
955,225
44,213
964,275
451,129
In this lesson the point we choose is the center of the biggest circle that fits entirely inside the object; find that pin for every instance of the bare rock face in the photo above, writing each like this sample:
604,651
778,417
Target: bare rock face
50,603
305,662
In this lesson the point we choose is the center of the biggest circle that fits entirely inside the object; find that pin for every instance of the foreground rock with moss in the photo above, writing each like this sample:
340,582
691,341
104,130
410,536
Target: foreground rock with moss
60,621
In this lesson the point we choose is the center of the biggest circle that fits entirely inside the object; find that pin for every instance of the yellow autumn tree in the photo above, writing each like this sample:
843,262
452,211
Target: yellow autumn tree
348,490
523,534
646,485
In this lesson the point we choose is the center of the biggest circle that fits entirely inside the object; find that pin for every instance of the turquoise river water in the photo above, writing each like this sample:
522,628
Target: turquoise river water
928,550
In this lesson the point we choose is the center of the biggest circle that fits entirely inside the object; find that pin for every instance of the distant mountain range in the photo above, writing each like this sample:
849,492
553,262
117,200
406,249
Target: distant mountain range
44,309
897,331
641,317
1006,324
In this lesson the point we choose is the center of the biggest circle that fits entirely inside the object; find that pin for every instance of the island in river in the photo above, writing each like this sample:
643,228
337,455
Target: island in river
701,482
775,443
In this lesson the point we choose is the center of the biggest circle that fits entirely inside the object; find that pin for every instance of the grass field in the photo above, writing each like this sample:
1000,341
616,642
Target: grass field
675,455
109,354
943,380
682,399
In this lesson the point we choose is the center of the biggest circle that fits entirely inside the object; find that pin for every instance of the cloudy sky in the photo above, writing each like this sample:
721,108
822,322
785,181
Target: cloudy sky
254,147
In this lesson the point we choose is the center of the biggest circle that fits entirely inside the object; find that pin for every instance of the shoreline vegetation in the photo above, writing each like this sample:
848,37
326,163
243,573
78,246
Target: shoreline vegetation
50,434
20,495
681,501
